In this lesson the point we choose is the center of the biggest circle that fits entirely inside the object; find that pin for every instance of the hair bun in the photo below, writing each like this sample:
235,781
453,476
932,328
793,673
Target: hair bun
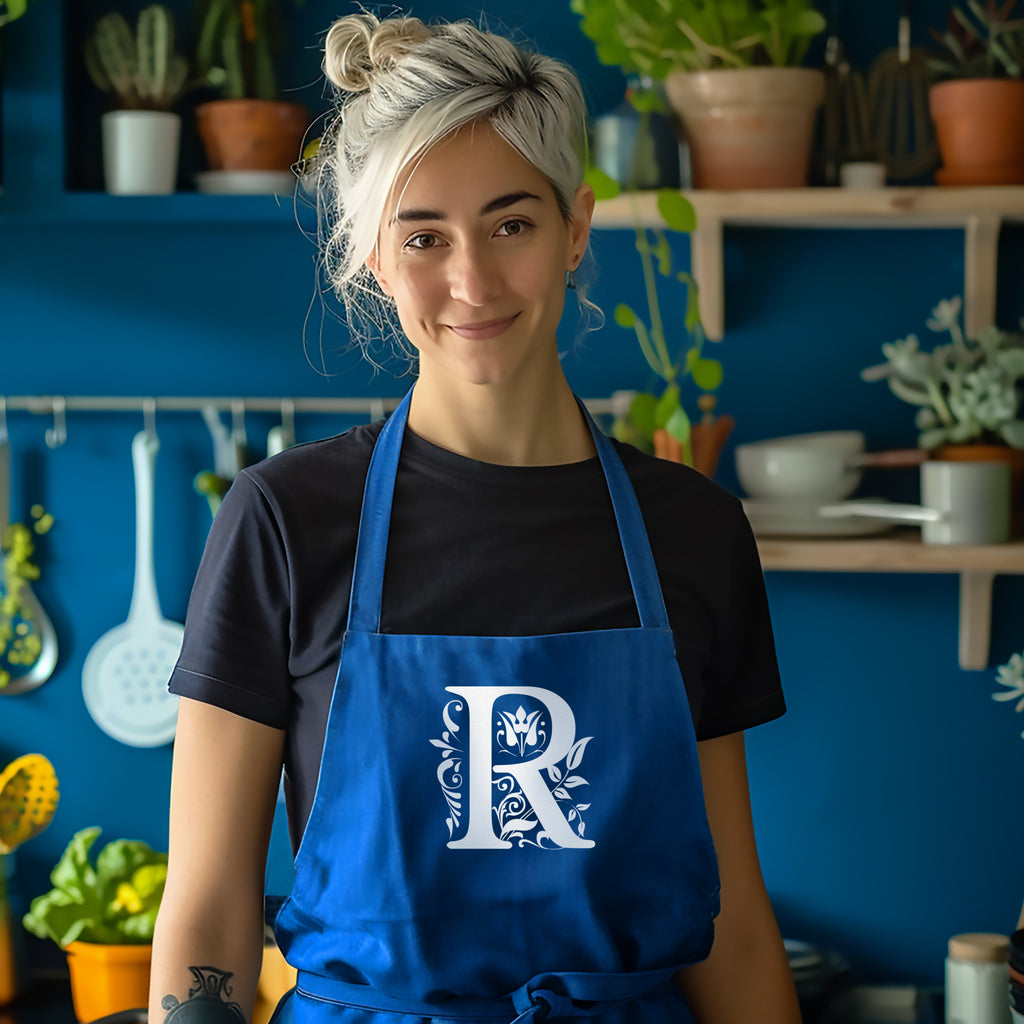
360,46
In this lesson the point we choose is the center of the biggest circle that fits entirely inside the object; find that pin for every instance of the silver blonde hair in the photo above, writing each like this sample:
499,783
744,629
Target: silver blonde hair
403,86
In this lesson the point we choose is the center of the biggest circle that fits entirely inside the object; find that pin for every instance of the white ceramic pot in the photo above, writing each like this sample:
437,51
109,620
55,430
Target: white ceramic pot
748,127
140,151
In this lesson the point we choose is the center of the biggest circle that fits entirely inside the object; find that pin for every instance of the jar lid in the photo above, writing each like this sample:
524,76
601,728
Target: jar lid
979,947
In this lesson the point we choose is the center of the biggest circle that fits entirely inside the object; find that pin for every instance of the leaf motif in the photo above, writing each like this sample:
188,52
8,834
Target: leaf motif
518,825
575,780
555,773
572,814
444,746
582,828
576,753
582,807
561,794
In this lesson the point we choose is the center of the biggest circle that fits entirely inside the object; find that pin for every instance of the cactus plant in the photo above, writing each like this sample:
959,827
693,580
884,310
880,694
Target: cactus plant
239,41
141,70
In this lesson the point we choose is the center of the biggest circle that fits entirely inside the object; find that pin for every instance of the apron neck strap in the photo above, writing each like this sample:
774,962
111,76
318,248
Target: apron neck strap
375,519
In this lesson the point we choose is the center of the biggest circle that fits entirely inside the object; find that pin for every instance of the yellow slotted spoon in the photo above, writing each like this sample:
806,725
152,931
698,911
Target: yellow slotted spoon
28,799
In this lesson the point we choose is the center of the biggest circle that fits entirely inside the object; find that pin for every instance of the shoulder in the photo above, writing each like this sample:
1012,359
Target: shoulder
302,477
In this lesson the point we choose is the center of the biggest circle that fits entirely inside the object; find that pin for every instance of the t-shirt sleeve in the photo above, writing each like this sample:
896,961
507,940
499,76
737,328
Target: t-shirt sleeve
235,650
742,687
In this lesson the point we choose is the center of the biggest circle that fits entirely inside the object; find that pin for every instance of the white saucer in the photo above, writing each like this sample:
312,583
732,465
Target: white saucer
800,519
246,183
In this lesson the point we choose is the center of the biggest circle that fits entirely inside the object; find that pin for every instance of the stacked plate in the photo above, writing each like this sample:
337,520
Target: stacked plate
1016,961
776,517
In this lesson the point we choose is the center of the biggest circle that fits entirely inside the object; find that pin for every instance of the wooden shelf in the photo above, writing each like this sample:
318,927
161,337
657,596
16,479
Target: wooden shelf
979,212
976,565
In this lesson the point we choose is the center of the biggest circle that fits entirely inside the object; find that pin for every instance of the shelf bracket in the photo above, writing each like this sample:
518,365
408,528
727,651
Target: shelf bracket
707,267
981,250
975,618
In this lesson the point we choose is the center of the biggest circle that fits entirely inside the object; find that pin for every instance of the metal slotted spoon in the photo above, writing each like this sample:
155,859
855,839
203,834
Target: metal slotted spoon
31,617
124,679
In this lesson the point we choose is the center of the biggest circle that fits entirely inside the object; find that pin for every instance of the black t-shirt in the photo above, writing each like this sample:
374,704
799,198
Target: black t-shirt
475,549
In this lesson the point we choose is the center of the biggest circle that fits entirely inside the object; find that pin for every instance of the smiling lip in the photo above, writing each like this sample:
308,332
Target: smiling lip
487,329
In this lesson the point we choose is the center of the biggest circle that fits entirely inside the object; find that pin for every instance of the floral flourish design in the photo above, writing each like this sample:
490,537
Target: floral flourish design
519,736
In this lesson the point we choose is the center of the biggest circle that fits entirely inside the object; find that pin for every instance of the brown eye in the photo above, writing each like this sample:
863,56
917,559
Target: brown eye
421,242
513,227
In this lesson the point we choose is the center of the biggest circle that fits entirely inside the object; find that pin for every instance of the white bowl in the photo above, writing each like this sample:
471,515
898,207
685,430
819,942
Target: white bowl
809,467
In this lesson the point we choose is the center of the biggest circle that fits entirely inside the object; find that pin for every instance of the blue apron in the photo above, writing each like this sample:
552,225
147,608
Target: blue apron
504,827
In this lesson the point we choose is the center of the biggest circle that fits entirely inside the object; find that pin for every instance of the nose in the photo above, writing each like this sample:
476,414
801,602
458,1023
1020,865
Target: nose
474,277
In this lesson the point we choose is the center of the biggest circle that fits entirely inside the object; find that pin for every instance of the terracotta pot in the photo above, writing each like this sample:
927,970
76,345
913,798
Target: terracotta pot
108,979
995,453
980,128
749,127
251,135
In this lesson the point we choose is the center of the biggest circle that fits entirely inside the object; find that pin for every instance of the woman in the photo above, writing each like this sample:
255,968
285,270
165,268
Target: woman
499,798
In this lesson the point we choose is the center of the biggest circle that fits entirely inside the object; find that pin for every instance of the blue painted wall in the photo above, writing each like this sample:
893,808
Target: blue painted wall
883,799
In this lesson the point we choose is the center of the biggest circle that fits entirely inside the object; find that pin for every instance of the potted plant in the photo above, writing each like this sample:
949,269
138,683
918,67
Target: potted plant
145,77
656,421
250,128
731,74
103,914
977,100
968,394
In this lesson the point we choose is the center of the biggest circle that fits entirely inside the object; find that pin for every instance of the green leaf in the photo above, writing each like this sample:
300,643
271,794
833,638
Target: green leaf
74,873
647,101
643,412
668,405
676,210
604,185
624,316
707,374
678,426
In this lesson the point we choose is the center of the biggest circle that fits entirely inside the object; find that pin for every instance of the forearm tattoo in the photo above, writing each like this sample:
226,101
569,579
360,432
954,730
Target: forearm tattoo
208,1001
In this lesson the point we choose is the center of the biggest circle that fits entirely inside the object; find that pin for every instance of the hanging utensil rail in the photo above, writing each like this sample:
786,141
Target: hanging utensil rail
46,404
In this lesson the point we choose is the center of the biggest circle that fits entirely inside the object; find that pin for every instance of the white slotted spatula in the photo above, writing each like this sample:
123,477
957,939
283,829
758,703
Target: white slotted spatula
124,679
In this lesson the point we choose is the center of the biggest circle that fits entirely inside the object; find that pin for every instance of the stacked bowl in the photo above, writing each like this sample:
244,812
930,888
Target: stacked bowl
1016,961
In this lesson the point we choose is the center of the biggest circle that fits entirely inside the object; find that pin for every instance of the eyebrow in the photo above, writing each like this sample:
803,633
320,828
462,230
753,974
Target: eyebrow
501,203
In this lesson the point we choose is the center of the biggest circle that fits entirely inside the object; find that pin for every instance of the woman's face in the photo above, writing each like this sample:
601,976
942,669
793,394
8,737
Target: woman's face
473,250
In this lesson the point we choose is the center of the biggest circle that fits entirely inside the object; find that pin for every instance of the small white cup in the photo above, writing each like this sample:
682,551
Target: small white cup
862,174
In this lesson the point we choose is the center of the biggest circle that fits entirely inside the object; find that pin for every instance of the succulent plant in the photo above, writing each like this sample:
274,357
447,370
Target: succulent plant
141,69
981,42
968,391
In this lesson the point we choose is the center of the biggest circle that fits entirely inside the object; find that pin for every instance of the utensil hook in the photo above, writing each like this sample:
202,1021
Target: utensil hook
238,421
149,417
57,434
288,416
3,419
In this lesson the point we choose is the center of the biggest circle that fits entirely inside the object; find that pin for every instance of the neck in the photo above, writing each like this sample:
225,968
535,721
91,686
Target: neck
508,424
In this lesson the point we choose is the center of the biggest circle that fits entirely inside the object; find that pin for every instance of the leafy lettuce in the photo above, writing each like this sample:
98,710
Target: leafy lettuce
113,902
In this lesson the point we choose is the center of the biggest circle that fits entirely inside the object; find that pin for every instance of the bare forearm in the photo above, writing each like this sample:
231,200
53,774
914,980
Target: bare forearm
764,991
209,964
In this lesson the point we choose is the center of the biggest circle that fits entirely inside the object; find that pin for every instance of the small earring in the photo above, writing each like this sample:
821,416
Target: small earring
570,279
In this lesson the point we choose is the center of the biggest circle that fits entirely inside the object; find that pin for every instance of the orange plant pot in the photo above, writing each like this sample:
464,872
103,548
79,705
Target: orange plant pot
980,127
108,979
251,135
748,127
